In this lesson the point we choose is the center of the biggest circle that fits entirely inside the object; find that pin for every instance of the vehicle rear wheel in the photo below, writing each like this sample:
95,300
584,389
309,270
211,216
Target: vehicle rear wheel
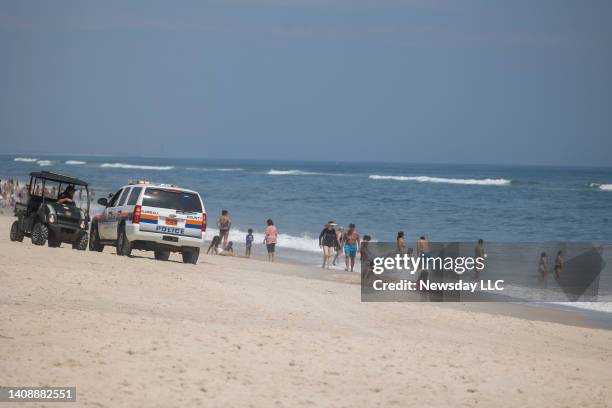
191,255
40,233
52,242
16,232
94,239
162,255
80,241
124,247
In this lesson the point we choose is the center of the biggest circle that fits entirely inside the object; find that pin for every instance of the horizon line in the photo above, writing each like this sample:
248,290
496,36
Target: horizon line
500,164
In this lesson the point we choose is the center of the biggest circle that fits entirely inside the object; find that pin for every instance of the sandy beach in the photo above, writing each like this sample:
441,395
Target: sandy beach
135,332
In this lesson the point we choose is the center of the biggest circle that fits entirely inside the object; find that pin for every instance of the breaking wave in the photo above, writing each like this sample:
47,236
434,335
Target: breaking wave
273,172
134,166
24,159
304,242
44,162
224,169
604,187
74,162
443,180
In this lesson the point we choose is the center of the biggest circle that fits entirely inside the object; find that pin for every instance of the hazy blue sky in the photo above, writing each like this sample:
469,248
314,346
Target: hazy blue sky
421,81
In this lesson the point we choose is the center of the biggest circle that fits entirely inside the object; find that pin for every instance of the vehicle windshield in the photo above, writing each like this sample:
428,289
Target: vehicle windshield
52,190
176,200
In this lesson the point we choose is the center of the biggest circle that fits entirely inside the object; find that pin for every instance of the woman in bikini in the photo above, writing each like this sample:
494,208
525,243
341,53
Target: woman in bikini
224,224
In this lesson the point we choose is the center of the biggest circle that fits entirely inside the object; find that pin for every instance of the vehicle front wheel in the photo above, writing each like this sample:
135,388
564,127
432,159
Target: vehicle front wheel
191,255
16,233
80,241
40,233
124,247
162,255
94,240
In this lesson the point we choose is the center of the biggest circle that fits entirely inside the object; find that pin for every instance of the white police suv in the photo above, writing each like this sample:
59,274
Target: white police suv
151,217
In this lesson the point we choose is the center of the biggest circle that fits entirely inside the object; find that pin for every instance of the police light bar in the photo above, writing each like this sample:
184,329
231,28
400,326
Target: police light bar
139,182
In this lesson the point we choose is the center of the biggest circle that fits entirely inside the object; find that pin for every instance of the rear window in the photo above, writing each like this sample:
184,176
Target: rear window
176,200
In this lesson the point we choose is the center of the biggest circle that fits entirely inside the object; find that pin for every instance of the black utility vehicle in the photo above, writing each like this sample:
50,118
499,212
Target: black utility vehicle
56,210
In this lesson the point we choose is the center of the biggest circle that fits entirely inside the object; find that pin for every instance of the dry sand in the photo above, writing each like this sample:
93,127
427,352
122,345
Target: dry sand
135,332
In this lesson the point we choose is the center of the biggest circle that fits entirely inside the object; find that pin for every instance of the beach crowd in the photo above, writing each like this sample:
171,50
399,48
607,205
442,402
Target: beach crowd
13,192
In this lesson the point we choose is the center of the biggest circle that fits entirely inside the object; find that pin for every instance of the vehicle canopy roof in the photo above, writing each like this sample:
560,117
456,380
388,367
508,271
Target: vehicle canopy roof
47,175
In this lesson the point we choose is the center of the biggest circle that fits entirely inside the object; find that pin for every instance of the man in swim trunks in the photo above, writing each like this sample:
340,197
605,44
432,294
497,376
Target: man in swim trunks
351,243
423,250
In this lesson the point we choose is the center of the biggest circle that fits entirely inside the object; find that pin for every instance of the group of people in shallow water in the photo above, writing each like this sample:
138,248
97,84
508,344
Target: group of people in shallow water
543,265
224,224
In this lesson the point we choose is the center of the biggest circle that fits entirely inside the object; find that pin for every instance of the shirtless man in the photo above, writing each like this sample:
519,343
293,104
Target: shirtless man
67,197
423,250
351,243
423,247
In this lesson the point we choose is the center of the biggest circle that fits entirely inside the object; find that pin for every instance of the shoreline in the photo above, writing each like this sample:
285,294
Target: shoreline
545,311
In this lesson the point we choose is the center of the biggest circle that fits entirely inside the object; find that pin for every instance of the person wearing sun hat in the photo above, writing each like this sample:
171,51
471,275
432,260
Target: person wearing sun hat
328,240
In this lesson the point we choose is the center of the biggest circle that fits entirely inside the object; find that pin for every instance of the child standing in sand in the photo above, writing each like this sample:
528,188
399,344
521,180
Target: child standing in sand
249,243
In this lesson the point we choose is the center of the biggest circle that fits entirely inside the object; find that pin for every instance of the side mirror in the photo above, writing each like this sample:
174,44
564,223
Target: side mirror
103,202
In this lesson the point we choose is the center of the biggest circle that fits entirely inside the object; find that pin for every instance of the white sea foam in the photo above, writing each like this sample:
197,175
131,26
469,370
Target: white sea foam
273,172
443,180
596,306
604,187
44,162
224,169
304,242
74,162
134,166
24,159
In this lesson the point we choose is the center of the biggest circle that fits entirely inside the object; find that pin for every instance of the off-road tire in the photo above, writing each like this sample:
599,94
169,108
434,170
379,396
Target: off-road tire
162,255
94,240
40,233
80,241
124,247
16,233
191,255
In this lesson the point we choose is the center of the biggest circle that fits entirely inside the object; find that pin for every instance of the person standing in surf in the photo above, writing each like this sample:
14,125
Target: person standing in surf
270,239
224,223
340,237
543,269
328,240
479,252
558,264
400,243
351,243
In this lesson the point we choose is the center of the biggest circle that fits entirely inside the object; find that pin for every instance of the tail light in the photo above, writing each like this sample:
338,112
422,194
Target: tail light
204,222
136,215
